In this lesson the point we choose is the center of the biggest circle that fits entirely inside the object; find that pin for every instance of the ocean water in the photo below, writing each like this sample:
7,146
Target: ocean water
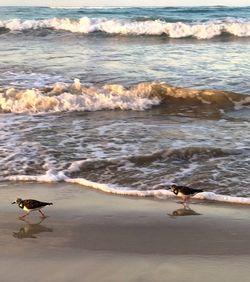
127,100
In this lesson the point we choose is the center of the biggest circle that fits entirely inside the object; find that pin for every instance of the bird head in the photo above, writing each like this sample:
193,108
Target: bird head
173,188
17,201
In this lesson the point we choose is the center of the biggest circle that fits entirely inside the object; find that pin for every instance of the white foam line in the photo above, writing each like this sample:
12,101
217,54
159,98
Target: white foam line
157,193
161,193
49,177
222,198
125,191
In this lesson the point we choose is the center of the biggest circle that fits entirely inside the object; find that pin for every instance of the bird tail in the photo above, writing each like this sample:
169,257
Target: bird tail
49,204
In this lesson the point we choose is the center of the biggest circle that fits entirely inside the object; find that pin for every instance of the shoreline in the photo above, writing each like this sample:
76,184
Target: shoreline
89,230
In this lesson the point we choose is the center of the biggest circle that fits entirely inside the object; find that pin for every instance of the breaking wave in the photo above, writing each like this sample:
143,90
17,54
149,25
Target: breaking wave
86,25
62,97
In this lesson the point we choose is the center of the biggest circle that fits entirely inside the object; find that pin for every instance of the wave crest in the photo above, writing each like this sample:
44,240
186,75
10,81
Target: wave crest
85,25
77,97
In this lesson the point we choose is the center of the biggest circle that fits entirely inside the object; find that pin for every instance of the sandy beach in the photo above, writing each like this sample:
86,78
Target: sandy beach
102,109
92,236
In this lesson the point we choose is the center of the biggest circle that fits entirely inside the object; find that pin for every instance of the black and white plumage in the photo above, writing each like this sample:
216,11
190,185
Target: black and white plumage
30,205
184,191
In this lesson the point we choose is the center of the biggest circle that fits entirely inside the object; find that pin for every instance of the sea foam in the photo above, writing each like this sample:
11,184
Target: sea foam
76,98
85,25
159,193
63,97
123,191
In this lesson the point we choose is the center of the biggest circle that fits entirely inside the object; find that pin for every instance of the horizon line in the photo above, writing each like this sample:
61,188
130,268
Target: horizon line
121,6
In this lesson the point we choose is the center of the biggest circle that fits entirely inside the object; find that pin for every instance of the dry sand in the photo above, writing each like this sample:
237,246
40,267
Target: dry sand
92,236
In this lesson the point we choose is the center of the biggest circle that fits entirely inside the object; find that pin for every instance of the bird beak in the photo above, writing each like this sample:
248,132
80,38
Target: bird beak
13,203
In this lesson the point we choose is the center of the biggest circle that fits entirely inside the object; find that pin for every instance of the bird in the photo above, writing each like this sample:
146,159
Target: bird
30,205
184,191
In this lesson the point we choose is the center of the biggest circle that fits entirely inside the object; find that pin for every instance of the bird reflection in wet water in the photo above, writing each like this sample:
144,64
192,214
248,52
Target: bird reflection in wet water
185,211
31,229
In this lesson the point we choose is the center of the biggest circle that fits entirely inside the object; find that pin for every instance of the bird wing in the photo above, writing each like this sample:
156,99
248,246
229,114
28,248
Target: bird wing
33,204
188,191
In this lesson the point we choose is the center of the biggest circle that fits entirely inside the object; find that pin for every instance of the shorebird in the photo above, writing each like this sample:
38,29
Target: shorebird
30,205
184,191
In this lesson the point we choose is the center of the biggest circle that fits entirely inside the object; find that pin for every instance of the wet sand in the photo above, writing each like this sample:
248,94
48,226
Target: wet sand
92,236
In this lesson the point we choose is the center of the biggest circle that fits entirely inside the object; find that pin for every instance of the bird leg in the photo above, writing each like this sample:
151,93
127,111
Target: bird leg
23,216
186,199
186,202
43,215
186,205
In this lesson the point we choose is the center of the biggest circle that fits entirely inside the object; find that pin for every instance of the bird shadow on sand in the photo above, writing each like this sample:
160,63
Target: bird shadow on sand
185,211
29,230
